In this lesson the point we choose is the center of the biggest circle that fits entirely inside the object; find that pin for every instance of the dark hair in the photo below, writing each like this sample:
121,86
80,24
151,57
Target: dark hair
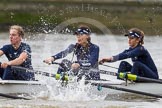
85,26
140,32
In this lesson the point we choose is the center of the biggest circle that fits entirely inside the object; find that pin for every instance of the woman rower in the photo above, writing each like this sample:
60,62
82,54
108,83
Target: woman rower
143,64
86,52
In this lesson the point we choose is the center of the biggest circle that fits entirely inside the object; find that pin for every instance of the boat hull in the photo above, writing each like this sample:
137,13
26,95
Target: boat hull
35,87
21,87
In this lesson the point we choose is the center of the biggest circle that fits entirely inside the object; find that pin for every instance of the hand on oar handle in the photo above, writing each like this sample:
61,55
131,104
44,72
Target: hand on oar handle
48,60
103,60
57,63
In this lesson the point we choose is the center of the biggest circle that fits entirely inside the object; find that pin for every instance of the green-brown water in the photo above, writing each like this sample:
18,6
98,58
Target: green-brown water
40,15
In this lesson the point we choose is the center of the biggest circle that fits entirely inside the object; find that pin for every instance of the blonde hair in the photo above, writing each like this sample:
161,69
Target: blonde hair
140,32
19,29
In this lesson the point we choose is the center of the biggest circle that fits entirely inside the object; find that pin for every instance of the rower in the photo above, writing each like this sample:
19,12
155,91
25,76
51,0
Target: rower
143,64
18,53
83,49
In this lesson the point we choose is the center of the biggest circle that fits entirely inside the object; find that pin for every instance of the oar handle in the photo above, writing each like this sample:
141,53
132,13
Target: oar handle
53,62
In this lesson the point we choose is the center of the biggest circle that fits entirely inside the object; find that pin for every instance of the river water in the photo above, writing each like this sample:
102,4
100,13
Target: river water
45,45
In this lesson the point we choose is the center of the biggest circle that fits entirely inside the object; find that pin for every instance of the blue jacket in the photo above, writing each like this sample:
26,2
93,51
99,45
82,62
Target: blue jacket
139,53
12,54
85,56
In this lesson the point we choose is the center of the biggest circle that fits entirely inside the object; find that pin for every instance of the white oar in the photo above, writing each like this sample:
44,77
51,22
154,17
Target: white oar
105,85
131,76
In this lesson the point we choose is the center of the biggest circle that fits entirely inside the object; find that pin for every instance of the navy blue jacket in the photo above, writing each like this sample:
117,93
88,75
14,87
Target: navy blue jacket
12,54
139,53
85,56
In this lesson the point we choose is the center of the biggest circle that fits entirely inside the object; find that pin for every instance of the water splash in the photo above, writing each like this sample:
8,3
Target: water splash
74,91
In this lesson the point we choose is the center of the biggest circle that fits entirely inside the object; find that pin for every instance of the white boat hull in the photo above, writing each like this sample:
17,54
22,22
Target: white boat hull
19,87
35,87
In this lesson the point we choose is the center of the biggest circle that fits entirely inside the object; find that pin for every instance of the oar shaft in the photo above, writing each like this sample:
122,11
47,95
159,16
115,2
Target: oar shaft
110,66
12,97
126,90
149,79
34,71
131,76
108,72
56,76
138,78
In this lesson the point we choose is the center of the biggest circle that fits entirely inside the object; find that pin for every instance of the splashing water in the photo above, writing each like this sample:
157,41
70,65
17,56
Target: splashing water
73,91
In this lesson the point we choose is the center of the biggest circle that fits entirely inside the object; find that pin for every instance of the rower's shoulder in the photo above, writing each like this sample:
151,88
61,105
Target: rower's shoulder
94,45
142,48
25,44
